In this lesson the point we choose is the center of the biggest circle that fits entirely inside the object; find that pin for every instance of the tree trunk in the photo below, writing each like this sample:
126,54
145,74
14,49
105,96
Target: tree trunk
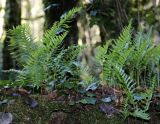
53,11
12,19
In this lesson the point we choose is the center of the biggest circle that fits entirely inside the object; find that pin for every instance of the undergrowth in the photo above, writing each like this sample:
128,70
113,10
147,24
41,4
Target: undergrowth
129,63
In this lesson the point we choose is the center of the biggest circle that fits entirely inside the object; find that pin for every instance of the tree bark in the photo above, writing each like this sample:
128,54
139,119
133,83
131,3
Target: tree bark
12,19
54,9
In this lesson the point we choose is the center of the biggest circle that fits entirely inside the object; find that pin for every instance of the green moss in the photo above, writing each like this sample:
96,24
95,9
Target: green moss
23,114
93,116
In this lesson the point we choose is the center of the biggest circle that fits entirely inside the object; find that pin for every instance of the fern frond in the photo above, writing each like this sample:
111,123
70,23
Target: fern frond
126,81
152,55
21,43
118,54
54,42
101,51
140,114
85,74
14,70
38,64
143,45
70,54
129,86
61,25
123,40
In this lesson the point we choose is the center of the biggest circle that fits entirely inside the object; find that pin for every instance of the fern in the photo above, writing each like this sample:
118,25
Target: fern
86,76
123,40
126,81
140,114
140,109
41,61
64,63
101,51
61,25
21,44
118,54
128,63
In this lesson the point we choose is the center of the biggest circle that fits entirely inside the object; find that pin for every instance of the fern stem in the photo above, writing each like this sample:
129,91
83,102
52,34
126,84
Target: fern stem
138,82
158,76
144,77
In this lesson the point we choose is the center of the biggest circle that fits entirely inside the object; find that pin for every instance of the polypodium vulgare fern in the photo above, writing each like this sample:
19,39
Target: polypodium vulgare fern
44,61
130,62
136,103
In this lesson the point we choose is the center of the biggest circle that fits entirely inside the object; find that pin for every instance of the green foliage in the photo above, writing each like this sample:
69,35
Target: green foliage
141,104
118,54
45,62
138,56
21,43
130,63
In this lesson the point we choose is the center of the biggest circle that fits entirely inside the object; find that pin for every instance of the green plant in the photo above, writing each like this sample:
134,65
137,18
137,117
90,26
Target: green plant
45,62
136,103
130,62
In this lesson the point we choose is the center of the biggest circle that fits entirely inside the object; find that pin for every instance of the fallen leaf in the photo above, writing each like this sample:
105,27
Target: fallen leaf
83,101
51,96
6,118
58,118
23,92
157,89
30,101
108,110
90,94
107,99
88,100
4,101
92,86
137,97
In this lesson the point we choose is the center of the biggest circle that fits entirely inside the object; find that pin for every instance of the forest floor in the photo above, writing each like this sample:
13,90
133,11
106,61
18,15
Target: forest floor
54,108
54,112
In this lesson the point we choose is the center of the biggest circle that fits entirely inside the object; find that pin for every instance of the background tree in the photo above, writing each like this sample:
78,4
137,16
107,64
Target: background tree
12,19
113,15
54,9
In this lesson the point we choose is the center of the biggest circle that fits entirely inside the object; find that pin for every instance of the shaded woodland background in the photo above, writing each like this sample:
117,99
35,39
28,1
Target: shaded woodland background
99,21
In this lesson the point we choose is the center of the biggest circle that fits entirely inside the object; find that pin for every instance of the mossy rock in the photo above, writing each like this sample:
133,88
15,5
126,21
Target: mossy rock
23,114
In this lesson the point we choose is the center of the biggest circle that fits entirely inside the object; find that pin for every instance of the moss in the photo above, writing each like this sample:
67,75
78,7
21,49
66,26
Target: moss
23,114
93,116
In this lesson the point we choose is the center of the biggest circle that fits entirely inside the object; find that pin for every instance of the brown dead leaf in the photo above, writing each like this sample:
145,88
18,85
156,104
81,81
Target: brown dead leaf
51,96
157,89
58,118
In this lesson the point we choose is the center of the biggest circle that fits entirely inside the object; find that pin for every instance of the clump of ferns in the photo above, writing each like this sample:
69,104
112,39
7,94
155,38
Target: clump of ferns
45,62
136,103
130,62
137,56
